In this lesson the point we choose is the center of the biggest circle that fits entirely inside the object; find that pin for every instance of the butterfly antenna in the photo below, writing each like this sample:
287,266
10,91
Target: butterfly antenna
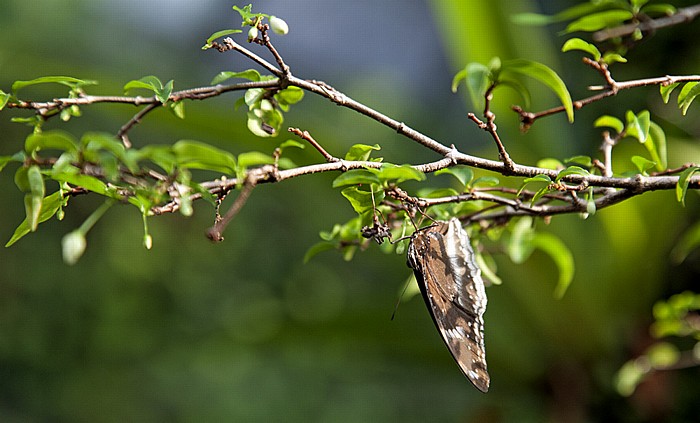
398,302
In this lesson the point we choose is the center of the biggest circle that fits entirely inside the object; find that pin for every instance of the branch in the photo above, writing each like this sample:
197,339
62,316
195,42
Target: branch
686,14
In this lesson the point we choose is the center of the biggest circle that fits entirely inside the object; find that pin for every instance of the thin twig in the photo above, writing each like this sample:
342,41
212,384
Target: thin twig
686,14
305,135
215,232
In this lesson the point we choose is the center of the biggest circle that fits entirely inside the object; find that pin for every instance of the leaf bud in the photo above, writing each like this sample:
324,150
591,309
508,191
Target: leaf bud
279,26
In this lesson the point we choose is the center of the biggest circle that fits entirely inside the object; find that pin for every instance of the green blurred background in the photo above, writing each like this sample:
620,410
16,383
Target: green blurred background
243,330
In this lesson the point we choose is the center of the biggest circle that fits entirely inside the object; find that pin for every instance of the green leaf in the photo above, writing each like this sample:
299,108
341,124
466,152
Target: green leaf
579,44
477,80
606,121
656,145
689,92
361,152
546,76
398,174
659,9
87,182
56,139
197,155
571,170
292,144
689,240
537,178
247,14
683,181
49,207
289,95
219,34
600,20
550,163
356,177
162,155
520,246
666,90
582,161
570,13
638,125
488,181
250,74
643,164
518,87
319,247
18,157
254,158
34,199
464,174
149,82
178,109
609,58
4,98
265,121
362,201
163,95
63,80
562,257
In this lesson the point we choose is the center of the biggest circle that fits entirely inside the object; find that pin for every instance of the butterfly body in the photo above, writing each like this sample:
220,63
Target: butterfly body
442,259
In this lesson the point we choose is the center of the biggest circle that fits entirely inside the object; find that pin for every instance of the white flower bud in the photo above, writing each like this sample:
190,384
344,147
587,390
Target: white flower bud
73,245
279,26
252,34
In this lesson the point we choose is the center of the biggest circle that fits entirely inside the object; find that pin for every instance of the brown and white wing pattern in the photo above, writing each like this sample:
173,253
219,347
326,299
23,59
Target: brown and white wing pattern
443,262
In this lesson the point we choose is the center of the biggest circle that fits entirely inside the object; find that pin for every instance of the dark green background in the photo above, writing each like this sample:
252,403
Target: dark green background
244,331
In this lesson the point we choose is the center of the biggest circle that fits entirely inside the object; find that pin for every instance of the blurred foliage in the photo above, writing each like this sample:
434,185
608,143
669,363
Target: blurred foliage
245,331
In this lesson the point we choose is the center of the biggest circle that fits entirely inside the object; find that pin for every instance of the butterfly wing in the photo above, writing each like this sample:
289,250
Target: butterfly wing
443,261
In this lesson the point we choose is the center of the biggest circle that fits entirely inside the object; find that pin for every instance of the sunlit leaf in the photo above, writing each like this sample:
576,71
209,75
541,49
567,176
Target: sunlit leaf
689,92
600,20
546,76
63,80
683,181
638,125
666,90
49,207
579,44
463,174
197,155
362,201
356,177
571,170
642,164
254,158
398,174
56,139
656,145
609,122
250,74
219,34
361,152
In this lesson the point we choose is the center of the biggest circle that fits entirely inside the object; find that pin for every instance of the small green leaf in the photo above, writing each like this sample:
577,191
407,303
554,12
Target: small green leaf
87,182
34,199
579,44
149,82
562,257
4,98
163,95
197,155
254,158
488,181
463,174
292,144
689,92
638,125
398,174
49,207
362,201
477,80
520,245
600,20
546,76
161,155
689,240
609,58
643,164
250,74
666,91
319,247
361,152
219,34
571,170
659,9
178,109
63,80
656,145
683,181
249,18
289,95
56,139
356,177
606,121
582,161
550,163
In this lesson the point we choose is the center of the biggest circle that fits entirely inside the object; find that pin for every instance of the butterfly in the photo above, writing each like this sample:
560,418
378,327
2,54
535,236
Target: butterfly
443,261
